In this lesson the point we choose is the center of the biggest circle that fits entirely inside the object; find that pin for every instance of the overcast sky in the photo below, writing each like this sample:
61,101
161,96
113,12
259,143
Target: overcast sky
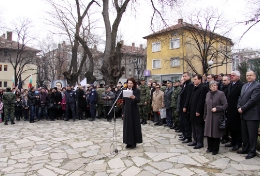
136,25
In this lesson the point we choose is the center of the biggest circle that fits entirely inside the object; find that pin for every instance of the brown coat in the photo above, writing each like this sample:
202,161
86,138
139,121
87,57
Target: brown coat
158,100
214,100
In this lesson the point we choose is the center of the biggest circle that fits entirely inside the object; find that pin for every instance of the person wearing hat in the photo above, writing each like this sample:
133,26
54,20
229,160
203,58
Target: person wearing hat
167,103
32,98
92,99
9,101
108,96
144,101
164,85
70,102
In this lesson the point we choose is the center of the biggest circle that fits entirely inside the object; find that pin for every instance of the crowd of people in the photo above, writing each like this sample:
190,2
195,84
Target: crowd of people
195,107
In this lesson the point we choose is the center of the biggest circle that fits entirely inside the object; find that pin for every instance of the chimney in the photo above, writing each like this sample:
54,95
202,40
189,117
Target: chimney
95,48
9,36
141,46
3,35
180,21
133,46
63,43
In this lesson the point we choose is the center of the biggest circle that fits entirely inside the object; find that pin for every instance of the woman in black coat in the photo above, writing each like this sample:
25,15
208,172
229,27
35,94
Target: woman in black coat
132,133
52,104
82,104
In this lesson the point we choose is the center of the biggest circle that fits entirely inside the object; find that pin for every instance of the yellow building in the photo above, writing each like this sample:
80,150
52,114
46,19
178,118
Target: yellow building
186,47
16,55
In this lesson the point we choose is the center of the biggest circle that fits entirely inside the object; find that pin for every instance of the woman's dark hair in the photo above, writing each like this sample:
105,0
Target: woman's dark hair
50,92
134,82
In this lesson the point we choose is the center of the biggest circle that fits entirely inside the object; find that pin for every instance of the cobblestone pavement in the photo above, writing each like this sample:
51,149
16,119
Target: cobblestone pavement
84,148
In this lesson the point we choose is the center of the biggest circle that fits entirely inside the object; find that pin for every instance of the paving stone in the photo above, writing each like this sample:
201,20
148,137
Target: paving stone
181,172
116,163
161,165
139,161
220,163
244,167
44,172
131,171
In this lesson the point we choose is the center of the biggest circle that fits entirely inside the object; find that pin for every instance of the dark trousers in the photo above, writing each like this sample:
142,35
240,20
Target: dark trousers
52,113
43,111
249,130
70,107
32,113
156,117
80,112
213,144
92,109
236,137
26,114
198,132
107,108
169,117
186,126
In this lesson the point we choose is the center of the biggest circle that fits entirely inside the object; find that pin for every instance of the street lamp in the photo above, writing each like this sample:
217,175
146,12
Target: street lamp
210,63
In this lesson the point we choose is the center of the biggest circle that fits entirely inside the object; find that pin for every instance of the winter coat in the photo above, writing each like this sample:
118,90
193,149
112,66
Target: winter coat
197,102
108,102
158,100
131,124
216,100
82,103
233,116
92,97
43,98
70,96
185,97
168,97
31,98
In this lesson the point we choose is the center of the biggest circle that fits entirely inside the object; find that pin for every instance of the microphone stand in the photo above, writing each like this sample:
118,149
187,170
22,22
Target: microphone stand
113,108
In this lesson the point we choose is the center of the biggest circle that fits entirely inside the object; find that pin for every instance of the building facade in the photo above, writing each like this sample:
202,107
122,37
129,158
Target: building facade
19,56
175,50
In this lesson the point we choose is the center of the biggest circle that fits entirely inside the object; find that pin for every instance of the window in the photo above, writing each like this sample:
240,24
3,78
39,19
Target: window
0,67
156,46
175,43
0,83
5,67
5,84
157,63
175,62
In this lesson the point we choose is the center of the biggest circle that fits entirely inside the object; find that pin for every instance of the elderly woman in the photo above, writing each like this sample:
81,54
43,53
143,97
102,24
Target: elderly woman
157,104
215,105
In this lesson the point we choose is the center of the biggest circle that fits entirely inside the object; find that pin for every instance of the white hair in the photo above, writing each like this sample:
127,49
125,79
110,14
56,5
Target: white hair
236,72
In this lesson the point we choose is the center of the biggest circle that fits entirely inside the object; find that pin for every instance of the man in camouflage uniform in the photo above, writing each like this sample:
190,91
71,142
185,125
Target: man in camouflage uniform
100,101
144,101
175,94
164,85
9,101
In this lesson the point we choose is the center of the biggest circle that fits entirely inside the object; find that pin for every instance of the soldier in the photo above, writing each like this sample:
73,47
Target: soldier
175,93
164,85
144,101
9,100
100,101
92,99
70,95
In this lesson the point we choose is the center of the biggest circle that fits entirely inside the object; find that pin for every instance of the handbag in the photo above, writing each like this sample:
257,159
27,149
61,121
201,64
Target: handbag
222,121
163,113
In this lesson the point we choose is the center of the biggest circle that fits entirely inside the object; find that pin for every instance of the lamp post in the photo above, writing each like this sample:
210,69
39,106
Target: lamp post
136,61
210,63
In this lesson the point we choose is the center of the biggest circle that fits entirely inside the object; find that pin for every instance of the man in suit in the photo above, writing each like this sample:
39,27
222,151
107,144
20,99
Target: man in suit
233,116
185,95
196,111
249,108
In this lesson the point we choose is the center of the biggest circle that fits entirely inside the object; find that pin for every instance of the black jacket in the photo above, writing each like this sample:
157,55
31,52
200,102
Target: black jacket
185,95
70,96
31,98
197,102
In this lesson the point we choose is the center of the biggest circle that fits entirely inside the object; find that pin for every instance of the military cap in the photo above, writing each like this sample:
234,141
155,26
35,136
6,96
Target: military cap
176,81
142,79
8,88
170,81
68,85
91,85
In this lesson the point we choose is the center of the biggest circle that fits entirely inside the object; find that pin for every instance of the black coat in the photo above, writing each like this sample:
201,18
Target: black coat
249,102
132,133
225,89
185,96
82,103
233,116
197,102
168,97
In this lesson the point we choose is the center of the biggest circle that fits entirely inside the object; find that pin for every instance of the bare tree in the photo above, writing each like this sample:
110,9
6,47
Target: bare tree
17,53
204,44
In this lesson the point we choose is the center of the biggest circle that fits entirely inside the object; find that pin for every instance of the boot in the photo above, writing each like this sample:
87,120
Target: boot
6,123
144,122
12,122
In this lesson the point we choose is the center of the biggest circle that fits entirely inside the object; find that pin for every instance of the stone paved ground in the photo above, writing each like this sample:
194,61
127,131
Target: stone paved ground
83,148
